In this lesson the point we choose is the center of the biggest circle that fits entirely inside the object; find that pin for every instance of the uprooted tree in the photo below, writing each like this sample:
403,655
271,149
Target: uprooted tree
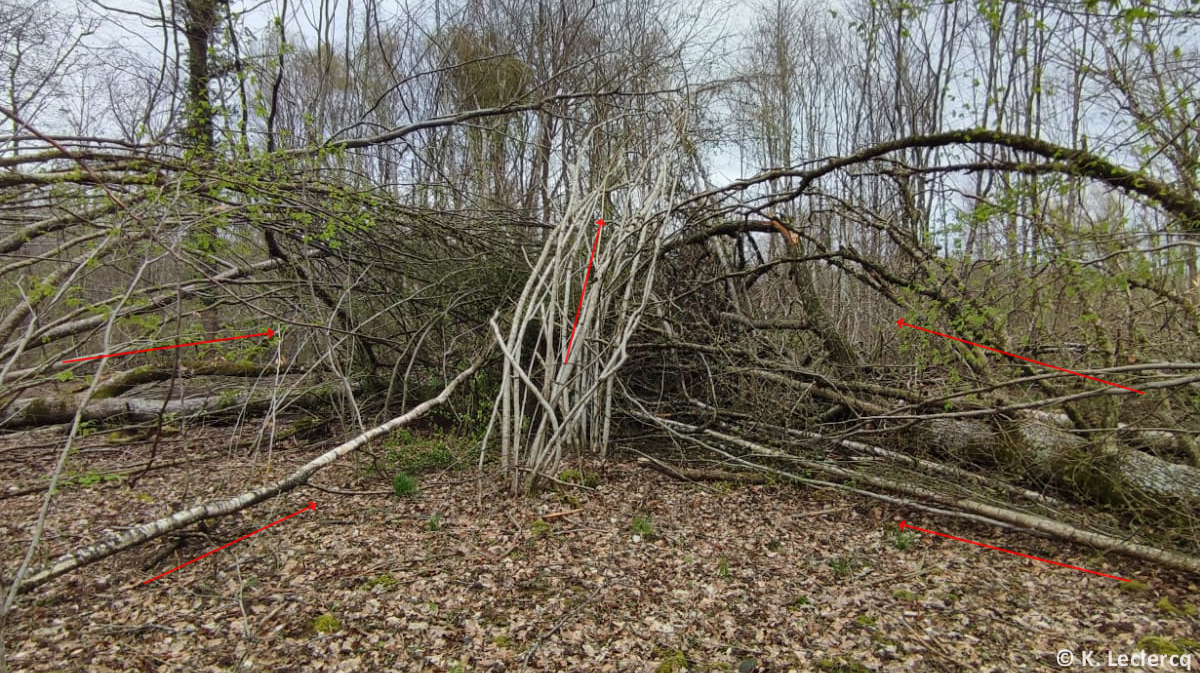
751,322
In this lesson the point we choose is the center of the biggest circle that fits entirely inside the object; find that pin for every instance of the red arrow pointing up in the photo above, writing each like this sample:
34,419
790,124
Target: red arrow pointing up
903,525
311,505
903,324
599,223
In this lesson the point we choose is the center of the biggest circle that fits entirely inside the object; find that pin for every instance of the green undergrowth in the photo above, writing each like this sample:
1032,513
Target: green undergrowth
72,479
841,666
670,660
1184,609
673,662
415,452
1167,646
573,476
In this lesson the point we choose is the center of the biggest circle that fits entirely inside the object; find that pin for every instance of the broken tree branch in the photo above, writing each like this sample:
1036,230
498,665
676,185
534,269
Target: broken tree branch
918,494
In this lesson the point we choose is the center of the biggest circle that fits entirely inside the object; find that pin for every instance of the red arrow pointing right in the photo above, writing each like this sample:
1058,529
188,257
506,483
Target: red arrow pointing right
269,334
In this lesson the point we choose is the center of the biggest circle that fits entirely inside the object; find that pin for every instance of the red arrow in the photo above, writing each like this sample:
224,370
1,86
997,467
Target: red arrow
600,224
903,525
903,324
311,505
269,333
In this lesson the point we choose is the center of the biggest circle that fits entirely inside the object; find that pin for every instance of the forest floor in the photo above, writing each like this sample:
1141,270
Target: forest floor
650,574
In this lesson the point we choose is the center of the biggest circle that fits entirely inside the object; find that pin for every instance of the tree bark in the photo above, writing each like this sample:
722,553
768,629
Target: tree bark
1104,471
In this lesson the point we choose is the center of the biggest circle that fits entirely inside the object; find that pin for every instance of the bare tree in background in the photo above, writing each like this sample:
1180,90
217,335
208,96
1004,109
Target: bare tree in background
39,56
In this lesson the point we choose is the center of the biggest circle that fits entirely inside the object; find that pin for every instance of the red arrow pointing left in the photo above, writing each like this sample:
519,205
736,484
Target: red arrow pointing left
904,524
269,333
311,505
903,324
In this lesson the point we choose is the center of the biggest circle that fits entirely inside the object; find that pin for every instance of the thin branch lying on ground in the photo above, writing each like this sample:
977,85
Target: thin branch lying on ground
962,505
133,537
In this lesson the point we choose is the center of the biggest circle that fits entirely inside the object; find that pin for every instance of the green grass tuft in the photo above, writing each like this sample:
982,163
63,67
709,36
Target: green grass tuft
641,526
403,485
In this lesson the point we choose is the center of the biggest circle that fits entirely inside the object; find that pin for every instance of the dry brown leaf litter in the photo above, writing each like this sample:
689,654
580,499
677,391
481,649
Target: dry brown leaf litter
776,577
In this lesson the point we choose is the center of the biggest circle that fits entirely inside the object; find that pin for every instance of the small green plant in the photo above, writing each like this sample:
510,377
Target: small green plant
573,476
1134,587
904,595
1157,645
458,668
434,523
385,580
723,567
674,662
540,527
92,478
421,454
865,620
1184,610
403,485
89,479
326,623
902,539
841,666
800,601
842,566
641,526
228,398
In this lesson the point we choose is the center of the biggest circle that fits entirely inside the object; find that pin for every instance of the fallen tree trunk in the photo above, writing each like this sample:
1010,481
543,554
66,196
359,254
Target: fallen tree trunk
133,537
1181,445
122,382
1045,452
35,411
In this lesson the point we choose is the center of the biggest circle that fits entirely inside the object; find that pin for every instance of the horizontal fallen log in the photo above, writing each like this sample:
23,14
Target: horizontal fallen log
138,535
35,411
122,382
1045,452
